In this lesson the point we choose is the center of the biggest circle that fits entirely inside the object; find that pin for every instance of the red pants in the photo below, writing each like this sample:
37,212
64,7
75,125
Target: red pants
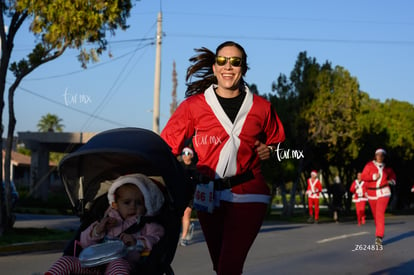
311,203
378,208
360,211
230,232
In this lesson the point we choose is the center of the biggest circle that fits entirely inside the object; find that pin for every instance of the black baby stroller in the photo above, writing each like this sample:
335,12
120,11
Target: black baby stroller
88,172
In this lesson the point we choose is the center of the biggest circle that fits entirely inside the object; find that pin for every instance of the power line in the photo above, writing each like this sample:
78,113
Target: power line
111,92
298,39
132,40
112,88
69,107
91,67
21,48
294,19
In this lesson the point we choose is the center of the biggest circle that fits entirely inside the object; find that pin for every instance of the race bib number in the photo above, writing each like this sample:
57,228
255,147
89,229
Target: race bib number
204,197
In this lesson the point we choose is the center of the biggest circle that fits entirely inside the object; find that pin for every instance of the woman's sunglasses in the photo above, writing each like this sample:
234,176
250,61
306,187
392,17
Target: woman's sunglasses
234,61
187,153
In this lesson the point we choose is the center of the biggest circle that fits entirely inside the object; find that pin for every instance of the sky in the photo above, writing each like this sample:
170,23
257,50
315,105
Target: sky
372,39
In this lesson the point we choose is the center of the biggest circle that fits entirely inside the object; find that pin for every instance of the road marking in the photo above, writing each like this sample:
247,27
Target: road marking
342,237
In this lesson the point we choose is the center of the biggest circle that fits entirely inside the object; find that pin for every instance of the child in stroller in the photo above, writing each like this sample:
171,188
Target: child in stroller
89,172
130,197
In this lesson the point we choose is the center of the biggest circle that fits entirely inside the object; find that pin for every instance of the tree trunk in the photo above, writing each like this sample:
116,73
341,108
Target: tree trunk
4,63
9,148
285,211
6,51
294,188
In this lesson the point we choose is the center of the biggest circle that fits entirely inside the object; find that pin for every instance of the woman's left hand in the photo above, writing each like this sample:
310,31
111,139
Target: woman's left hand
262,150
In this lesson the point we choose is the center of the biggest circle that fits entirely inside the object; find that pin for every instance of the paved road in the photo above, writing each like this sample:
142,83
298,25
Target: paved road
48,221
280,248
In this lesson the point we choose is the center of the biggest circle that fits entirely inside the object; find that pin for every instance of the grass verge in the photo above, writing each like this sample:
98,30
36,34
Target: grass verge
24,240
23,235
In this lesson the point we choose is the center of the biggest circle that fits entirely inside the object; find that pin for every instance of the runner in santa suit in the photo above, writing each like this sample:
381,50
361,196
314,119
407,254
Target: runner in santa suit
232,130
378,178
359,198
313,191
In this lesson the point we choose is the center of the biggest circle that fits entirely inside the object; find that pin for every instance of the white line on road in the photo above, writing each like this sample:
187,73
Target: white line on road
342,237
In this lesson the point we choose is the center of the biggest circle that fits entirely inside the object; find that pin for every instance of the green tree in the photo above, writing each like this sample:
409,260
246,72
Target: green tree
389,125
50,123
399,120
293,97
332,119
320,105
57,26
339,126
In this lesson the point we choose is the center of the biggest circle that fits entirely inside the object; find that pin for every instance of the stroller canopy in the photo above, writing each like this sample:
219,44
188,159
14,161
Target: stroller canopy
113,153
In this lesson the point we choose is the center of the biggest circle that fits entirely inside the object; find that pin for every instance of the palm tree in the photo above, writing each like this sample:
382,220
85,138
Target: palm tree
50,123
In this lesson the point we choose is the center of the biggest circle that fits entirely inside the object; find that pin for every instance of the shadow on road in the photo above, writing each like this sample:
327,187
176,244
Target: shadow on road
399,237
199,237
401,269
395,223
278,228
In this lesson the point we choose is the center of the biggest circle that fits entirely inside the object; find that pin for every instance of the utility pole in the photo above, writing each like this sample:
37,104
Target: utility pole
157,78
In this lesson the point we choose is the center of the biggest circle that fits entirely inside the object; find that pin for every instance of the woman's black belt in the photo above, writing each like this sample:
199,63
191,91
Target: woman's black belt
228,182
377,188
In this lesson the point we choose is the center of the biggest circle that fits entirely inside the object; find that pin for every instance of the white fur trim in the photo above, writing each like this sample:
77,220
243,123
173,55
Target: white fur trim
227,163
188,149
380,150
153,197
227,195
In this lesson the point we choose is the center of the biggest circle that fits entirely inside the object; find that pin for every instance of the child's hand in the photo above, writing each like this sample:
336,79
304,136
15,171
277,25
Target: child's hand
110,222
105,224
127,239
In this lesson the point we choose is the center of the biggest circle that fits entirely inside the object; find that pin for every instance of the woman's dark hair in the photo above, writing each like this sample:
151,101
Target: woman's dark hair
201,67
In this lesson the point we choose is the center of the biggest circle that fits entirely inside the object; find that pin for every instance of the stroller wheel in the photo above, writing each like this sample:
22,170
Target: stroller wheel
169,271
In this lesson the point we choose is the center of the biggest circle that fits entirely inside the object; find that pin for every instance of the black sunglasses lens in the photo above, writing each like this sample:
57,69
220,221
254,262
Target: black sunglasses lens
221,60
235,61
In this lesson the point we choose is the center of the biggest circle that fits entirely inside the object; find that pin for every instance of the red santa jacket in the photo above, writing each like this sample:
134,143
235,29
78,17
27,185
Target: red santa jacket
225,148
314,188
378,179
359,190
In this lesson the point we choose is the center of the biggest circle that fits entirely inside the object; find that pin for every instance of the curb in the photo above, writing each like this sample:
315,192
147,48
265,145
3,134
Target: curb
29,247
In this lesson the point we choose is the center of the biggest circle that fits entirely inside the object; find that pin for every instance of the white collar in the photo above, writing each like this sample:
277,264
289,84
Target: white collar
227,164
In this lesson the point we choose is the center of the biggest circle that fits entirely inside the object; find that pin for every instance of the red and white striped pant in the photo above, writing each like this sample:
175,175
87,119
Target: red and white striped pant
67,265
